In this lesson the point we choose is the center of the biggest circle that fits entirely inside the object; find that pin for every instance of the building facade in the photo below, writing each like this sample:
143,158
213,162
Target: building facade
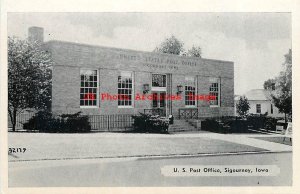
260,103
101,80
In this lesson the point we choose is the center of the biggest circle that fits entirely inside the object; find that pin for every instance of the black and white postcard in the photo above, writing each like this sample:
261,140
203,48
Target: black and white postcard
153,98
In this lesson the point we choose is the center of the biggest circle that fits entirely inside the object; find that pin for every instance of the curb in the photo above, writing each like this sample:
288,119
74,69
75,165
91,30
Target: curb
210,154
153,157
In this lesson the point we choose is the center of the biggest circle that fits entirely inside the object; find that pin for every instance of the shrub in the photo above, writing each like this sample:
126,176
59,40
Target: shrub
270,123
158,124
237,126
256,121
44,121
75,123
145,123
141,122
262,121
225,125
213,125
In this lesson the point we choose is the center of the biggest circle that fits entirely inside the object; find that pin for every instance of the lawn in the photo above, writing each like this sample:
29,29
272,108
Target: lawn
41,146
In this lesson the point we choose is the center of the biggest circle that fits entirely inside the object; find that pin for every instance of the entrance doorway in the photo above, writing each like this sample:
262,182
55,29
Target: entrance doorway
159,103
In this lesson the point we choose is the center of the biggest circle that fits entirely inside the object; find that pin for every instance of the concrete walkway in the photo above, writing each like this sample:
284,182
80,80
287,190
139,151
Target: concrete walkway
245,139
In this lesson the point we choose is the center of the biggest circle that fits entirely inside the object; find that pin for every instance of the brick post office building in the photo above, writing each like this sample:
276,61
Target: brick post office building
83,74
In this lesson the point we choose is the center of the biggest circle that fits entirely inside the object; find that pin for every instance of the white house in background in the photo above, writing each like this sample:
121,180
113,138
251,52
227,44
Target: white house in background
260,103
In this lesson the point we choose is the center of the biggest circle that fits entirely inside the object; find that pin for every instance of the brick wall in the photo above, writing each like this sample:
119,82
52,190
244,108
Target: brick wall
70,57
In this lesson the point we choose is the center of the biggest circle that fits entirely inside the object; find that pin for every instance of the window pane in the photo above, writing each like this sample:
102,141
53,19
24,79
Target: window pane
88,89
158,80
190,88
214,92
125,88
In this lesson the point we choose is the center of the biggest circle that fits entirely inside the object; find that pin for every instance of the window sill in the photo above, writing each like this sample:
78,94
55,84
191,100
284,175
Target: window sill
159,89
89,107
190,106
125,106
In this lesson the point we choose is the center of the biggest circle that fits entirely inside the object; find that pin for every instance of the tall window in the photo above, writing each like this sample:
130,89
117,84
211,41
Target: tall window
158,80
214,92
125,90
258,108
190,91
88,87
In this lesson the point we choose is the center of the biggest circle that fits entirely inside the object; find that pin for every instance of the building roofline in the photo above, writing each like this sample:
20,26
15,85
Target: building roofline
252,96
146,52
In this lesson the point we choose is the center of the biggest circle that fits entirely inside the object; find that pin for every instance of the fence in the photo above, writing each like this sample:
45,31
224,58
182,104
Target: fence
188,113
20,120
111,122
98,122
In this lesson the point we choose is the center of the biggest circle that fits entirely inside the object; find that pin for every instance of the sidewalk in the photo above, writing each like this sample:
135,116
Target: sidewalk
249,139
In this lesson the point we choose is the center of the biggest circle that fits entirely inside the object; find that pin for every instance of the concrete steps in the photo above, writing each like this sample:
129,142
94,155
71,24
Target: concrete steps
181,125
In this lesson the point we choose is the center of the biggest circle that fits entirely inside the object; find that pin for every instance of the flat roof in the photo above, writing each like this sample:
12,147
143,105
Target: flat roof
131,50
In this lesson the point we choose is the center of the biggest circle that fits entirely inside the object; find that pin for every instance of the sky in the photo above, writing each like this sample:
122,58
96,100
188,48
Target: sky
255,42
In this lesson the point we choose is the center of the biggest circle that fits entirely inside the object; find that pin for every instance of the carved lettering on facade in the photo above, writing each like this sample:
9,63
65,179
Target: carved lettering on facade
157,62
127,57
153,60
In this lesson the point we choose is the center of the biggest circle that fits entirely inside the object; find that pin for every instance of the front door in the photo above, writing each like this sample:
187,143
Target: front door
159,103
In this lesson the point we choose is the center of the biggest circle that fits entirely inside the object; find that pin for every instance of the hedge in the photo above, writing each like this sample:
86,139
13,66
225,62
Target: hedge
45,121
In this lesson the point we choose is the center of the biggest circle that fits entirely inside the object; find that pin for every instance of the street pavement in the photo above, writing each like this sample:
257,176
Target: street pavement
145,172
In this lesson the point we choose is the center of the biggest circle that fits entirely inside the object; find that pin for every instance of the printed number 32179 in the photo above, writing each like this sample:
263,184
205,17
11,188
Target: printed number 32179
16,150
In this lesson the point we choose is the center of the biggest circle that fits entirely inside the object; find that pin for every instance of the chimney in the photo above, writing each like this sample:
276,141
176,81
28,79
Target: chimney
36,34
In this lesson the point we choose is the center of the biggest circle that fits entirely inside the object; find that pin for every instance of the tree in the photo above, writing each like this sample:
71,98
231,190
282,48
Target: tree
29,77
269,84
174,46
171,46
195,51
242,106
282,96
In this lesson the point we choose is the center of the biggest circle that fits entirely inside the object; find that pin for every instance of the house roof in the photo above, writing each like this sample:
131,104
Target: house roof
258,94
